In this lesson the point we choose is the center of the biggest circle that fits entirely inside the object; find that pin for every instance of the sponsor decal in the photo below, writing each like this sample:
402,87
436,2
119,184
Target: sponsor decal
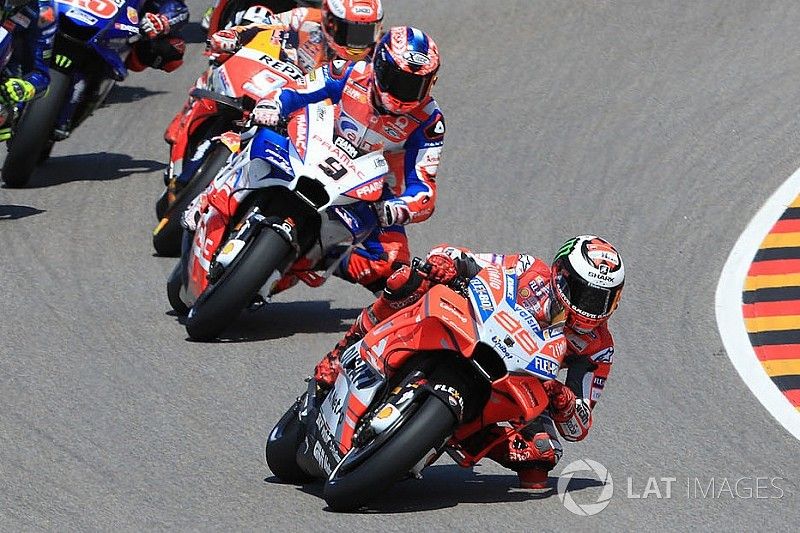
362,10
126,27
583,412
347,146
511,289
601,255
355,94
501,347
495,281
133,15
604,356
453,396
370,189
358,370
435,131
481,295
301,134
452,310
413,57
81,16
291,71
344,160
543,367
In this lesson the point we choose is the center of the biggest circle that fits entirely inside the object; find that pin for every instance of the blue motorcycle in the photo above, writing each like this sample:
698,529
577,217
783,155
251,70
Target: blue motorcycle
94,38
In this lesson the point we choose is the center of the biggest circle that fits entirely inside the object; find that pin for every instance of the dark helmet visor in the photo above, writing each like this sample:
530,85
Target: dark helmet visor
404,86
351,34
590,301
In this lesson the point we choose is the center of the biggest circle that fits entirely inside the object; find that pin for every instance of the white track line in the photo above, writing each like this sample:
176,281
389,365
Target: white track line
730,319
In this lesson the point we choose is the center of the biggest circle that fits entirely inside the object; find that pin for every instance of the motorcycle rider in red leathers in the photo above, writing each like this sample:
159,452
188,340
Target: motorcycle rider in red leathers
385,105
582,287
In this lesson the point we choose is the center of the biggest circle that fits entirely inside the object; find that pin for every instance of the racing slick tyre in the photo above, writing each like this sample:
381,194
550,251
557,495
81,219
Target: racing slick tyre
424,431
221,302
168,233
31,140
282,445
174,291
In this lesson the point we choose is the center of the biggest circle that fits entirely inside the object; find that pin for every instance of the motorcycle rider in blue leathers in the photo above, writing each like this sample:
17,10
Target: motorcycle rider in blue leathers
30,27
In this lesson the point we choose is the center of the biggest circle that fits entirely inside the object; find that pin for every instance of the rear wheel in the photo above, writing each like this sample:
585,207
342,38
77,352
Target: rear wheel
282,445
168,233
220,304
424,431
31,141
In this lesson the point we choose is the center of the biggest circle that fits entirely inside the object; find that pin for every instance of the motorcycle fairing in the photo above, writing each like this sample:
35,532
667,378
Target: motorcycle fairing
112,20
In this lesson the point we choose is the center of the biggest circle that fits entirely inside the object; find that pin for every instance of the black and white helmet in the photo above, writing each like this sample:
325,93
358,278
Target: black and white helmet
587,277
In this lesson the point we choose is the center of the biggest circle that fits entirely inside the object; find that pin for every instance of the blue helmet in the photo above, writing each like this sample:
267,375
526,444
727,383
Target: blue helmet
405,65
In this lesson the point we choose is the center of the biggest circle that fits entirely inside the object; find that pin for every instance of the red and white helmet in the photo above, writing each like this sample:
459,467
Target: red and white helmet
587,277
405,65
351,27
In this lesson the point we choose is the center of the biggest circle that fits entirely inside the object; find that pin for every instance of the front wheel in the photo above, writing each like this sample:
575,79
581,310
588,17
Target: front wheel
31,141
167,235
425,431
282,445
220,304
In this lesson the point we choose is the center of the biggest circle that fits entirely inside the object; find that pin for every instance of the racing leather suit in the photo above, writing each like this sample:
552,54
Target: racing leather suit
301,38
164,52
536,449
32,28
412,144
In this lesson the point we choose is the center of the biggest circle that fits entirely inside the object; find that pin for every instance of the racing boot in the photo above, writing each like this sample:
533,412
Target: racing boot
531,453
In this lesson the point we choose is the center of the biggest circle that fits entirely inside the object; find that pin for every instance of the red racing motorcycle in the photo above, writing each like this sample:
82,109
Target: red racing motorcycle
459,372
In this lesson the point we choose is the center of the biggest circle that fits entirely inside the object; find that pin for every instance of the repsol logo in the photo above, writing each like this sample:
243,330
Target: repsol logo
288,69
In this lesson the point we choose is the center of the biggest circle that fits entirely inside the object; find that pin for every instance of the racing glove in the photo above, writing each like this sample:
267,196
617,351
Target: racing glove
16,90
393,212
154,25
267,112
443,268
562,400
224,41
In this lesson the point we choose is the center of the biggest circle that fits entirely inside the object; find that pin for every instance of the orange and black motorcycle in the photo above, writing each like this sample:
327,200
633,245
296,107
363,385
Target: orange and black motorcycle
463,363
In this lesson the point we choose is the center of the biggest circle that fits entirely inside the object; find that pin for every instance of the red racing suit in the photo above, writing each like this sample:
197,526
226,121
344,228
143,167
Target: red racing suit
412,144
588,359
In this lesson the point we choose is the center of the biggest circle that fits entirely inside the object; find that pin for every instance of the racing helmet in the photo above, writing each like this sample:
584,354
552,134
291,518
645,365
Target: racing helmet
405,64
351,27
587,276
255,14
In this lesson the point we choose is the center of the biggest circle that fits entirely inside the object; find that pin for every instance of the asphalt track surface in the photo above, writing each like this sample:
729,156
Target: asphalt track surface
661,125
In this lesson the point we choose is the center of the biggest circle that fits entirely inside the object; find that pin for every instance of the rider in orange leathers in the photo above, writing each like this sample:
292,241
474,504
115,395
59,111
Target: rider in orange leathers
582,287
